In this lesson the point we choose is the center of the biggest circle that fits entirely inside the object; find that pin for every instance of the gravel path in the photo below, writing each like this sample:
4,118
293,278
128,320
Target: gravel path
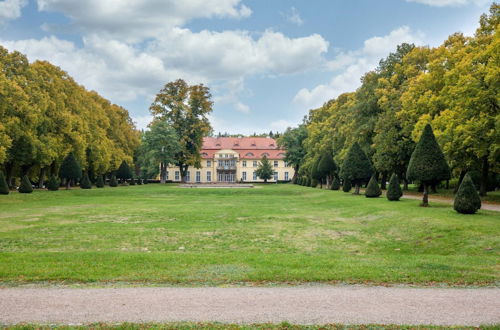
484,205
300,305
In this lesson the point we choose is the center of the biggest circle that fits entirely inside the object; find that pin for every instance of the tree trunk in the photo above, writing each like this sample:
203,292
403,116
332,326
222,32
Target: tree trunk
295,173
460,179
356,189
41,177
483,189
8,174
163,173
183,169
68,183
425,200
321,183
383,181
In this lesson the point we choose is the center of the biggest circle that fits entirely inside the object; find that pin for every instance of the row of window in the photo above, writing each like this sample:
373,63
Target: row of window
243,163
177,176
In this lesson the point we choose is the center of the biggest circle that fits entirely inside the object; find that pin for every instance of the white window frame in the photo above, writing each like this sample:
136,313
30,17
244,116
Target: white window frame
286,176
244,176
177,175
209,176
209,163
198,176
254,163
276,163
244,164
254,175
188,176
275,176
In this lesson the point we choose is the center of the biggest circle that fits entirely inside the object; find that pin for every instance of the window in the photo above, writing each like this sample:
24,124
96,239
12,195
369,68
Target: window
254,175
198,176
265,154
286,176
254,163
276,163
209,176
209,163
244,163
188,176
166,175
176,175
244,176
249,154
286,164
275,176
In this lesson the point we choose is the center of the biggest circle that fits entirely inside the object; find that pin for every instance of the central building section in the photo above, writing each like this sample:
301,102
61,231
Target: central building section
226,161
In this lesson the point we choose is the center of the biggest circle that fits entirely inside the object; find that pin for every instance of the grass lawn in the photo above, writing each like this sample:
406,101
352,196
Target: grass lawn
270,234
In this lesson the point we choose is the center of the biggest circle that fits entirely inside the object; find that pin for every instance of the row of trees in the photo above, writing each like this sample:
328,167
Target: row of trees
45,116
454,87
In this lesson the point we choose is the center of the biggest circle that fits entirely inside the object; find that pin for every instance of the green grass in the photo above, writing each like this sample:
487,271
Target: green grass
273,234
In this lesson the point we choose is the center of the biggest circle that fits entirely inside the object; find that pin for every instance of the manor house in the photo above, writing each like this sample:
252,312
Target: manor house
235,159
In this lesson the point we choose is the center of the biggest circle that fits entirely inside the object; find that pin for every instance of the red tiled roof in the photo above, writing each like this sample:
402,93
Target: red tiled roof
246,147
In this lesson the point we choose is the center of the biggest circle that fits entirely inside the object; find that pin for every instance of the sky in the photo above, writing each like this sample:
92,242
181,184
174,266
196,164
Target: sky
266,62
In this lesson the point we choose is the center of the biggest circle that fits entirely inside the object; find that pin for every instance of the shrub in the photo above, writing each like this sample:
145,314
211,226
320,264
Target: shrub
373,189
113,182
335,184
346,187
139,181
132,182
467,199
70,169
85,183
145,180
53,183
314,183
25,187
356,167
99,183
124,171
4,188
394,191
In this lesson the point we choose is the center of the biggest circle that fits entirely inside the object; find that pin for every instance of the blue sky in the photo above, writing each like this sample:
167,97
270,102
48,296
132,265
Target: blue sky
267,62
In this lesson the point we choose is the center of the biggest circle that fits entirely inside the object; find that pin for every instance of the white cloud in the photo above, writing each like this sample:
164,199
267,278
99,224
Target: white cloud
293,16
241,107
350,67
142,122
282,124
449,3
11,9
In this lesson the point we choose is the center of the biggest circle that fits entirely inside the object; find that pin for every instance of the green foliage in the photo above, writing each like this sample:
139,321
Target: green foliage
394,191
4,188
326,165
139,181
427,163
265,170
314,183
335,183
347,186
373,189
293,142
85,182
356,166
467,199
53,183
124,171
70,168
113,182
315,173
132,182
25,187
99,183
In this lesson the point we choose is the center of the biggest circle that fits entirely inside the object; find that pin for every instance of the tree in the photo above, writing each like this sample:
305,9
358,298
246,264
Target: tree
139,181
124,172
394,191
335,183
25,187
4,188
316,175
427,163
159,145
356,167
293,142
70,169
185,108
132,182
327,166
53,183
99,183
373,189
467,199
265,170
85,182
346,186
113,182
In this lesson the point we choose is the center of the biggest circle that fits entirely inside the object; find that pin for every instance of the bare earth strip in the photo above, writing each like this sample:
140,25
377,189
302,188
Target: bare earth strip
484,205
299,305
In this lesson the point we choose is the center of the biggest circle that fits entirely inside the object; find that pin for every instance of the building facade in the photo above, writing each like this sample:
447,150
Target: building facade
231,160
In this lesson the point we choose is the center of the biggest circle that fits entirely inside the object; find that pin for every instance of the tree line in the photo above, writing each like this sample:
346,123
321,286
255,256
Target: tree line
455,88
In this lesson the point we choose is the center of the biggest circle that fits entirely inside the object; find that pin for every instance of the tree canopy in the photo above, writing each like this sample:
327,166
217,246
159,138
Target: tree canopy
265,170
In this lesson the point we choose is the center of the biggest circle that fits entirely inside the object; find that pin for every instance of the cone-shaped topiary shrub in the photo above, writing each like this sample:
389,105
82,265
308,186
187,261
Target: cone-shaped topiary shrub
357,167
139,181
467,199
99,183
85,183
394,191
427,163
335,184
314,183
25,187
113,182
373,189
145,181
70,169
132,182
346,187
53,183
4,188
124,171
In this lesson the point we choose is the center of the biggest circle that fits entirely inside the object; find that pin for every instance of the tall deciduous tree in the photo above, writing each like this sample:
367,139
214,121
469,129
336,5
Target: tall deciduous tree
293,142
185,108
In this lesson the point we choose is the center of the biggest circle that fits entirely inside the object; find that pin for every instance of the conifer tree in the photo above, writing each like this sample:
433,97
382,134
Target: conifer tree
427,163
335,184
70,169
373,189
346,187
53,183
99,183
145,180
467,199
314,183
326,166
4,188
25,187
124,172
113,182
394,191
356,167
132,182
85,183
265,170
139,181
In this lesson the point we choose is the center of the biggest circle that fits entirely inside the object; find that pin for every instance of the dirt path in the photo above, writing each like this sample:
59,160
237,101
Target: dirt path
484,205
300,305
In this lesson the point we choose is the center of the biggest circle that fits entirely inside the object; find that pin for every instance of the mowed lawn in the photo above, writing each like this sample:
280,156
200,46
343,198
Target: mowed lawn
281,234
